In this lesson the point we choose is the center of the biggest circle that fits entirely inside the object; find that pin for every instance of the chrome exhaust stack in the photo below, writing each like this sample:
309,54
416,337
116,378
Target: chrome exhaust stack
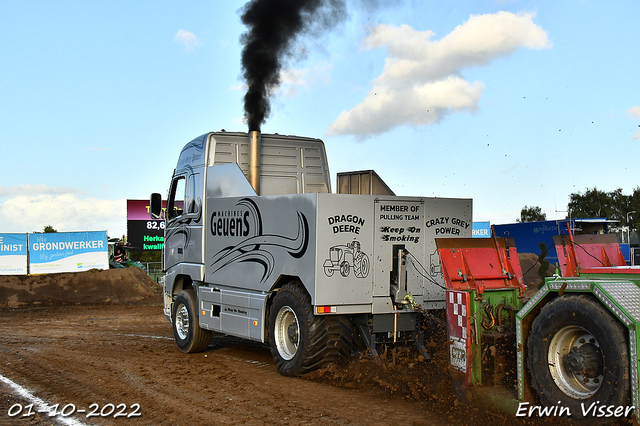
253,170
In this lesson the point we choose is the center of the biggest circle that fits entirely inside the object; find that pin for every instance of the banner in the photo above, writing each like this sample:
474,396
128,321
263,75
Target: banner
13,254
68,252
481,230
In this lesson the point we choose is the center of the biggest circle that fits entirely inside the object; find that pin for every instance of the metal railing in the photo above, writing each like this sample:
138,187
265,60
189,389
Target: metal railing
154,270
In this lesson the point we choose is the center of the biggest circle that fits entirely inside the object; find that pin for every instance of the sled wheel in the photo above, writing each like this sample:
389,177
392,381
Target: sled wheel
361,265
578,354
301,341
344,269
186,325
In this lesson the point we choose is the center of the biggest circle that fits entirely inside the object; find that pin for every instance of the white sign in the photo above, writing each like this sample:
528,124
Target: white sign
13,254
458,354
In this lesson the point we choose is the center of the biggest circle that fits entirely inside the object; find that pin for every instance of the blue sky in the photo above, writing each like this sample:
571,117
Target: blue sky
511,103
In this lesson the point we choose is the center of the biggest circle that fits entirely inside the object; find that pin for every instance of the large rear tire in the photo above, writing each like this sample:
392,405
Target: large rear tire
301,341
361,265
578,354
186,324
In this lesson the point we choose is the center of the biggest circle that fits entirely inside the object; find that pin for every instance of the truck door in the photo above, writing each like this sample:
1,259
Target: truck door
183,234
175,236
192,219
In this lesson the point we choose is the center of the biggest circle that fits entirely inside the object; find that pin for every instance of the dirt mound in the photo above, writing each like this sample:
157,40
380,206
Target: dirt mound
113,286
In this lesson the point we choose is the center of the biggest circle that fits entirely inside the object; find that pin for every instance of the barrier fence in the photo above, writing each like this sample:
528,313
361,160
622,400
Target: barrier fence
154,270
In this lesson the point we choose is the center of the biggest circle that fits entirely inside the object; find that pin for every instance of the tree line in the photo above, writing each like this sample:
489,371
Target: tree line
594,203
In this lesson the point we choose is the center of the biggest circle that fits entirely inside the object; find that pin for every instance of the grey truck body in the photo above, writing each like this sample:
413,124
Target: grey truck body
235,248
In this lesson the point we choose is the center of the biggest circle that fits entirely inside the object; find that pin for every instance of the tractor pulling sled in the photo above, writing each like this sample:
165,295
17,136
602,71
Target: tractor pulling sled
569,351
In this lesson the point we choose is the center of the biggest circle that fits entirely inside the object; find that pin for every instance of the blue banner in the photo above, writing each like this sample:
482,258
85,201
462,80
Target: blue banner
481,230
13,254
68,252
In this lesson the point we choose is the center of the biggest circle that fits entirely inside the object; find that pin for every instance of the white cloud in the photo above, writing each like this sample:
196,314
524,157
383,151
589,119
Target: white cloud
422,82
188,39
61,208
237,87
41,189
385,107
634,111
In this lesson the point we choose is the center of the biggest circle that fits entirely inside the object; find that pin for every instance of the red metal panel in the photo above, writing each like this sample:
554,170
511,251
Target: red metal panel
590,253
479,264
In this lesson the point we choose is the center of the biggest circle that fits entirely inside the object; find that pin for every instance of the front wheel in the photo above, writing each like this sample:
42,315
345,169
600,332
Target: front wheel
328,271
344,269
186,325
578,354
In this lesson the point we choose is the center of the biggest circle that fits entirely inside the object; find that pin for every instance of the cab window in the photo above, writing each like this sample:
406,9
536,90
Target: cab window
191,195
176,198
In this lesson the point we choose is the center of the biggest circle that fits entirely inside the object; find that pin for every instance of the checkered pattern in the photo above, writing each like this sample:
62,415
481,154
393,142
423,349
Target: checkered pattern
457,311
458,326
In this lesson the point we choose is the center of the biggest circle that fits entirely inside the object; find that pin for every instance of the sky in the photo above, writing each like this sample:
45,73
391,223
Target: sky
510,103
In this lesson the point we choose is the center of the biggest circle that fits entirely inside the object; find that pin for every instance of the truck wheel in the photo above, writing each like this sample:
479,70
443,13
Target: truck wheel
578,354
186,325
301,341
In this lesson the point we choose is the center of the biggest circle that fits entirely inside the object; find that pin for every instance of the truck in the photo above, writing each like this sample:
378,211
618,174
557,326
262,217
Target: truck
257,246
567,350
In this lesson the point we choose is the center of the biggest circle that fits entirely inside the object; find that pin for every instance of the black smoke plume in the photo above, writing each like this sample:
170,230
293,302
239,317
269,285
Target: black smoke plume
273,26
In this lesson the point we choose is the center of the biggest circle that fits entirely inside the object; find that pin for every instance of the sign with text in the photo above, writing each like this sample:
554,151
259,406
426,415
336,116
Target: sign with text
68,252
13,254
481,230
144,233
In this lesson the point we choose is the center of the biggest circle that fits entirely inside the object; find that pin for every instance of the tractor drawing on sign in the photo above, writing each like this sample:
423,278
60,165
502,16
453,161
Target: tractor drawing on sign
345,257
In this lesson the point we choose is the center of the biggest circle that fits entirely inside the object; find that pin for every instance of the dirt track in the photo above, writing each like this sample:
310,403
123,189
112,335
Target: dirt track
121,354
125,354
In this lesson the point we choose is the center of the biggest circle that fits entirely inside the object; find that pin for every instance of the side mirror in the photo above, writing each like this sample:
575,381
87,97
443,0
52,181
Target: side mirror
155,206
